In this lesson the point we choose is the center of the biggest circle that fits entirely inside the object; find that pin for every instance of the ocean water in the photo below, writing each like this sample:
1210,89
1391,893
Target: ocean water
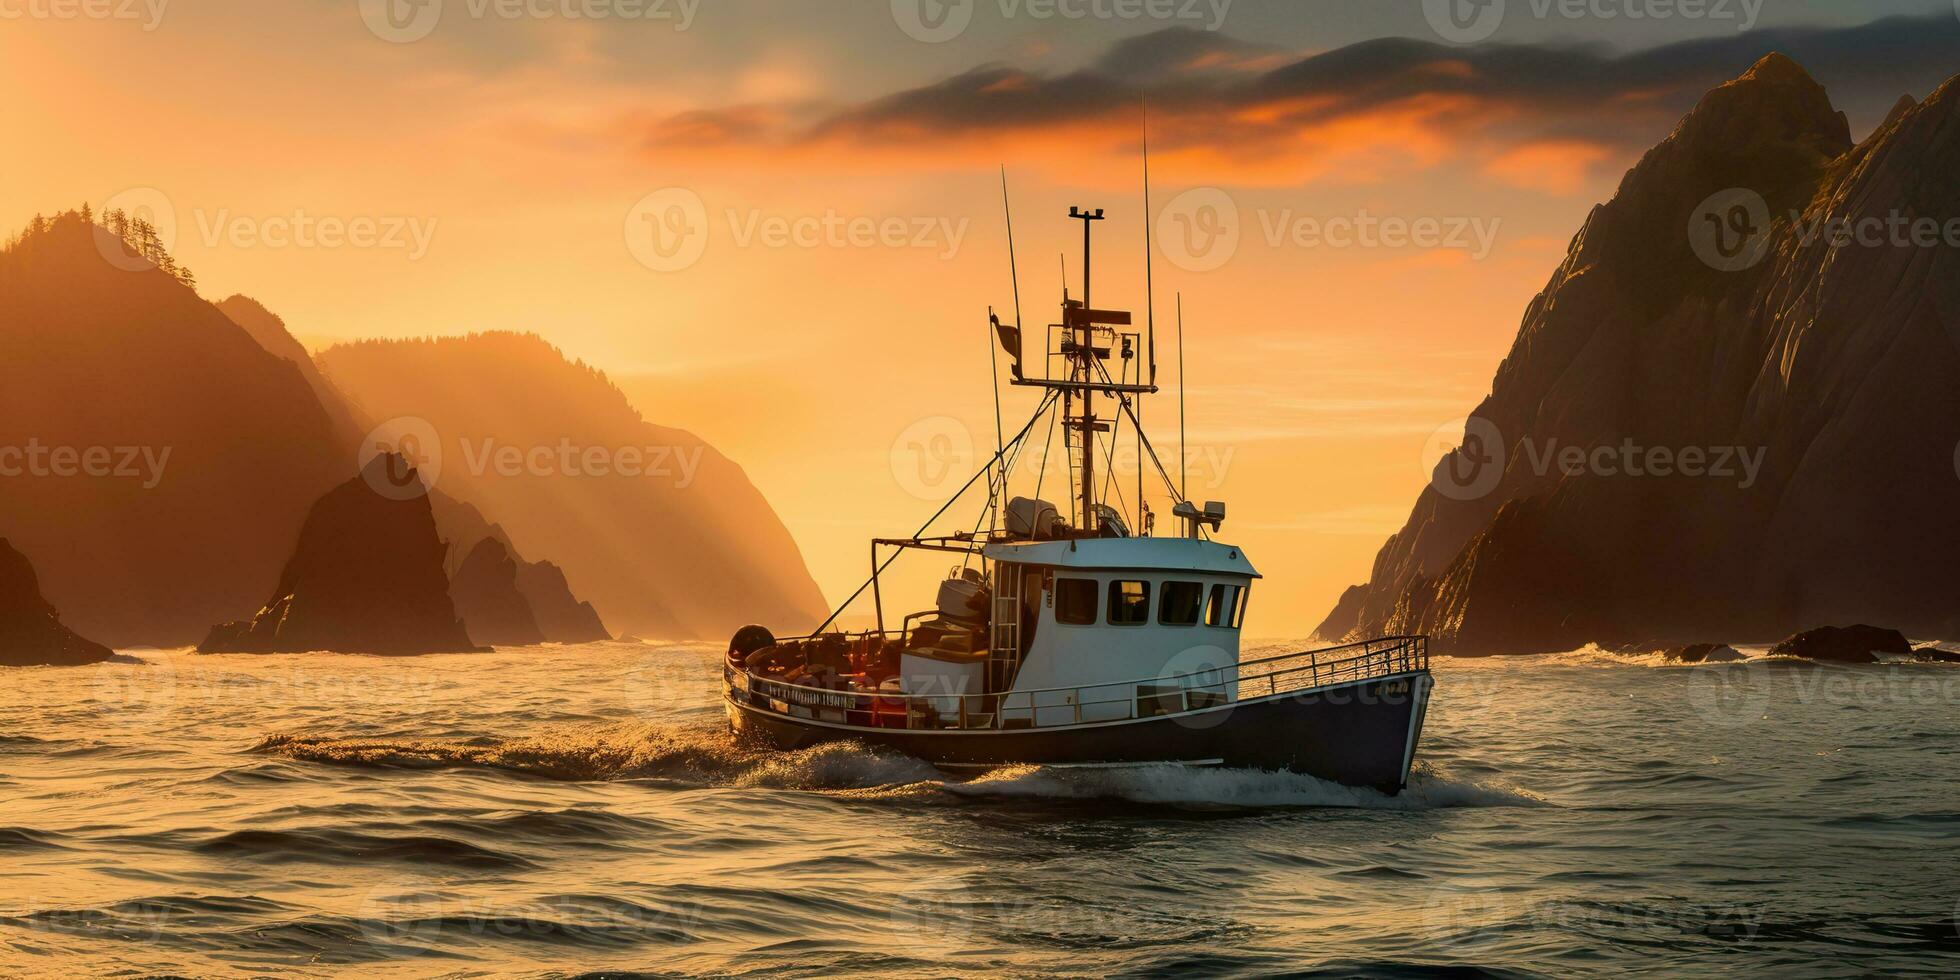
560,811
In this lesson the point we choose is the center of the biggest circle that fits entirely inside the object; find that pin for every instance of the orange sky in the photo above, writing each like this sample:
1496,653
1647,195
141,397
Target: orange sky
1321,362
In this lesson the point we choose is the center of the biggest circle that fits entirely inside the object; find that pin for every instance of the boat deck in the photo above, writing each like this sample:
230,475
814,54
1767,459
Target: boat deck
1265,678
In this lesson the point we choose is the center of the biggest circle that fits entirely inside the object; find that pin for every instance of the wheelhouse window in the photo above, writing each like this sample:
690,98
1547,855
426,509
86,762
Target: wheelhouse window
1226,610
1181,603
1129,603
1075,601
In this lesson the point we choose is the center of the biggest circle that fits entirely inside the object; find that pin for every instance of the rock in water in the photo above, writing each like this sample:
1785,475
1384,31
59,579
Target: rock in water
1791,402
486,594
560,614
367,577
1703,653
31,633
1844,644
665,534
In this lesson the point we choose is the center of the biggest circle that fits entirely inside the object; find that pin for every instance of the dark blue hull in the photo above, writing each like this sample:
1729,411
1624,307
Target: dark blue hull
1359,734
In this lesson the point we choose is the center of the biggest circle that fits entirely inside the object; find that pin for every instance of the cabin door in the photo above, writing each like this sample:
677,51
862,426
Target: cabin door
1007,643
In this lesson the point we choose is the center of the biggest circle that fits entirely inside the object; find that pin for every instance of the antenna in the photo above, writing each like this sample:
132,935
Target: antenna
1012,268
1149,299
1183,454
1149,282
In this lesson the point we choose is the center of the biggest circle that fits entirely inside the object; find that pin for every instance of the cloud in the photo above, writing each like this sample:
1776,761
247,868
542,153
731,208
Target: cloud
1539,116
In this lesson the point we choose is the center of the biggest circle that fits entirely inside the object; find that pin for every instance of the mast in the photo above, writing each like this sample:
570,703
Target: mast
1082,358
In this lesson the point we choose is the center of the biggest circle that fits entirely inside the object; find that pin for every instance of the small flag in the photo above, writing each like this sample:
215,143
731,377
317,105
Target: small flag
1010,340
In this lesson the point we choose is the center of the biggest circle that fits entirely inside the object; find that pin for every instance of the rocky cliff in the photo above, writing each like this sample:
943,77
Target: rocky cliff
31,633
366,577
167,459
486,594
1754,350
560,614
659,530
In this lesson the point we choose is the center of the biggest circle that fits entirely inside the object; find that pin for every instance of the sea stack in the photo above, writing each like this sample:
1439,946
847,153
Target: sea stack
31,633
560,614
366,577
486,594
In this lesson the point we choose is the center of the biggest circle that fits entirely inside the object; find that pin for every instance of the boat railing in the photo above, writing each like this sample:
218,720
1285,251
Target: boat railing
1300,673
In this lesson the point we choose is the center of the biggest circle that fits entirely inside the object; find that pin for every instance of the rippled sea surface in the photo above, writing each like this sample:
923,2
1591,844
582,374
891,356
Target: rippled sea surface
559,811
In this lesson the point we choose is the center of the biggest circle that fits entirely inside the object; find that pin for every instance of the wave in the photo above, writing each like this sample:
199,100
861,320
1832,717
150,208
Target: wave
702,753
1235,789
25,839
709,755
340,846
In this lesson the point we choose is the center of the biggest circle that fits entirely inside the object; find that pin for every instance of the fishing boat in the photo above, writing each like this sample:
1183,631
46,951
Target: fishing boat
1083,638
